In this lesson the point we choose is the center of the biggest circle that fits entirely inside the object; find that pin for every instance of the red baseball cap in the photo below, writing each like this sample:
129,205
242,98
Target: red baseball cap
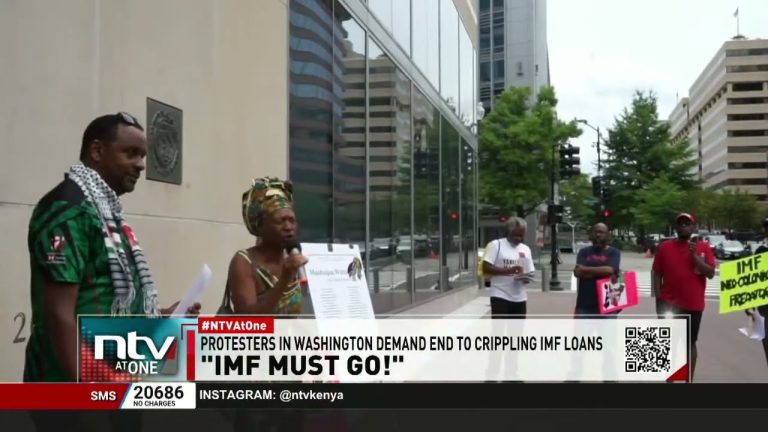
686,216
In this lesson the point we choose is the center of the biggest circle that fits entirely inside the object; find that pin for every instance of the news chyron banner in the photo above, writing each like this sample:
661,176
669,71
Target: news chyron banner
261,362
392,350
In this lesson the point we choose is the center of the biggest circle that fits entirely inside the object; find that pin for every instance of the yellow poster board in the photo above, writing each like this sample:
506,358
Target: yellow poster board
744,283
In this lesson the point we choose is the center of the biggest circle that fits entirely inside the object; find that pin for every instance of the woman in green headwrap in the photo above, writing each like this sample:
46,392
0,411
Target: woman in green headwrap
263,278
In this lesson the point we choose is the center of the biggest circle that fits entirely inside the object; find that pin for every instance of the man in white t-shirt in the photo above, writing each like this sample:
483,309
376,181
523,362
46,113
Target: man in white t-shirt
509,264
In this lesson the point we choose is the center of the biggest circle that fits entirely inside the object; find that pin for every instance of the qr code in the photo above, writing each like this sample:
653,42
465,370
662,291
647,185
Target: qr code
647,349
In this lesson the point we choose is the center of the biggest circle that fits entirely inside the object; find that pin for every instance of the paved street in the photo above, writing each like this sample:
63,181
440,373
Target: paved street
393,276
629,261
725,356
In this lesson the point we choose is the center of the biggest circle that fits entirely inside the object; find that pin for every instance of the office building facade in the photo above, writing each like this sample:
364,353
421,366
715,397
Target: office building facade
725,119
368,107
513,47
513,53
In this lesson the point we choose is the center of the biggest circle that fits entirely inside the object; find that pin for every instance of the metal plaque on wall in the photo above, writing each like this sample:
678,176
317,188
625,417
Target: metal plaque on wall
164,137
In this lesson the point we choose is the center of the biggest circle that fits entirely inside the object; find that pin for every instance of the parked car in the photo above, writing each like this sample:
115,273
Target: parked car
731,249
420,244
382,247
714,240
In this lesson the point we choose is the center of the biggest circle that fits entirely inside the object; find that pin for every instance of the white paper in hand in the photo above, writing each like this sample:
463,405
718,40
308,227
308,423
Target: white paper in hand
195,292
755,328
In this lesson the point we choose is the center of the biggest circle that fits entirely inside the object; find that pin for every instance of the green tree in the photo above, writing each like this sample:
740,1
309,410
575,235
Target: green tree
639,150
576,197
736,210
658,204
703,204
515,154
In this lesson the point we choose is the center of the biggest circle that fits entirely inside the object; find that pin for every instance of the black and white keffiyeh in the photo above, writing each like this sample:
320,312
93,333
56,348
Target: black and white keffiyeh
107,203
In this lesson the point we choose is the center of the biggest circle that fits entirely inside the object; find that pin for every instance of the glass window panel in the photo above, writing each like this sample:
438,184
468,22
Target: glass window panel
485,37
498,38
485,71
390,182
426,196
432,23
466,77
349,130
498,70
383,11
395,15
401,23
449,53
451,183
426,38
312,106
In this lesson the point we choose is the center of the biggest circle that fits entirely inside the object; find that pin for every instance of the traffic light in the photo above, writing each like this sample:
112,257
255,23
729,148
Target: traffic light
454,215
555,213
569,161
606,194
597,187
606,213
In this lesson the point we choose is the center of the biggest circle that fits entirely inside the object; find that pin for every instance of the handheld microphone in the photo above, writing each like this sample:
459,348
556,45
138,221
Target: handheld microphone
295,249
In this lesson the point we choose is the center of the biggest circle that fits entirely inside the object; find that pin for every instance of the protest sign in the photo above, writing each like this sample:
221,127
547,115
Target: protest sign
337,283
744,283
612,297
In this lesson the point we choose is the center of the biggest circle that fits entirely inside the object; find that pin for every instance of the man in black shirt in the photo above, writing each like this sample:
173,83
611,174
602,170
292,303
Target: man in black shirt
592,264
763,310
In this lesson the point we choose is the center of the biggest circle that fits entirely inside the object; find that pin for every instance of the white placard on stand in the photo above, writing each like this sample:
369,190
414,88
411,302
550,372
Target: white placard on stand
339,292
336,279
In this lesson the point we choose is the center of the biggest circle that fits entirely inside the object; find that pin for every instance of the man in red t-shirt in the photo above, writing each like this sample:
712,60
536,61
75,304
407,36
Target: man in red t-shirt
679,277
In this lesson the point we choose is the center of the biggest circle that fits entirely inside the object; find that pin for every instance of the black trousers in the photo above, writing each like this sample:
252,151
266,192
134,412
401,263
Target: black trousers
501,365
502,308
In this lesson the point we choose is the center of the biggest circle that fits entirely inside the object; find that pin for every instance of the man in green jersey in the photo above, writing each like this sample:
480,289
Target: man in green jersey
84,257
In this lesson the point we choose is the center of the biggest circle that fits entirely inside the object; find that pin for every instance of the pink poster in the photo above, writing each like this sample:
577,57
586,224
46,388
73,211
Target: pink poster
612,297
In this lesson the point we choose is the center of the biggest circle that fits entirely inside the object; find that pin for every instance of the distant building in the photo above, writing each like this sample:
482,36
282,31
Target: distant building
513,53
513,47
725,119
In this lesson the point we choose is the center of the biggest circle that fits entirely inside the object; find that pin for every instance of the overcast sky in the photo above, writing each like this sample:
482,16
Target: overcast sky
601,51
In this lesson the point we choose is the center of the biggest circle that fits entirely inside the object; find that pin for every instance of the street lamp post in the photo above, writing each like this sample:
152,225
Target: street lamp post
599,163
596,129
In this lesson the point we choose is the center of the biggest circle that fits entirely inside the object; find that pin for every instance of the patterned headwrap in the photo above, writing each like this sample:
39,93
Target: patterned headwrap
266,195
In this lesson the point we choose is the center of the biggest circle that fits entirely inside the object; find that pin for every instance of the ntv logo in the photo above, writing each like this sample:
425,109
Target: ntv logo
131,360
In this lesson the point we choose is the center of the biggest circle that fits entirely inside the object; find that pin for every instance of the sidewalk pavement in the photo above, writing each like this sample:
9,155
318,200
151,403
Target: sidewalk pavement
725,355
